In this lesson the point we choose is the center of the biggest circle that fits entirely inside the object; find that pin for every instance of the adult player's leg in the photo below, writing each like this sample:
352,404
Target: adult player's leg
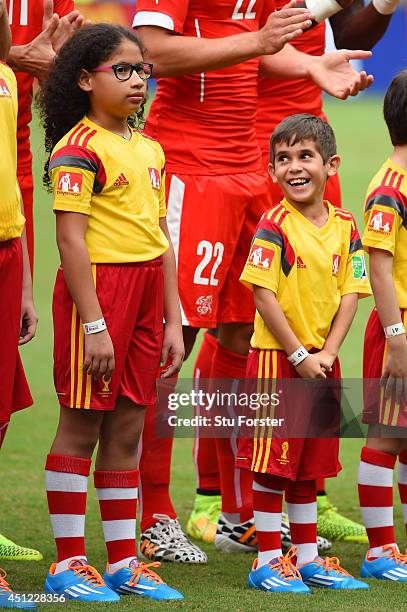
207,505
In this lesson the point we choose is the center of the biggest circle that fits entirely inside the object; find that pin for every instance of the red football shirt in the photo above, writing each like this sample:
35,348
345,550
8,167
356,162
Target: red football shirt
206,122
279,98
25,18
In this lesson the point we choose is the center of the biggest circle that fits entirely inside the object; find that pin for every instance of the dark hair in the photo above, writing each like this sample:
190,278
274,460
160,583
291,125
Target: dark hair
395,109
295,128
62,102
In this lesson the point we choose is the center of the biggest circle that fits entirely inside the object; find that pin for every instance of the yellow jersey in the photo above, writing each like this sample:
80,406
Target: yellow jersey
385,214
308,268
119,184
11,218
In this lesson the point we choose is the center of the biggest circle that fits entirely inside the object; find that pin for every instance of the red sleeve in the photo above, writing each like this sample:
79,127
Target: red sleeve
63,7
168,14
268,8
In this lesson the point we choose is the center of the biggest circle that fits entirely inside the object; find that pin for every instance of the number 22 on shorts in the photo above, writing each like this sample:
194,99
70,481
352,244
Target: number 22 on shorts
209,251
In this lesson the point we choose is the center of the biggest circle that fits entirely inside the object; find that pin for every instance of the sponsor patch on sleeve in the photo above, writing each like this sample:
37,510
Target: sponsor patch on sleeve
359,267
155,178
69,183
381,222
260,257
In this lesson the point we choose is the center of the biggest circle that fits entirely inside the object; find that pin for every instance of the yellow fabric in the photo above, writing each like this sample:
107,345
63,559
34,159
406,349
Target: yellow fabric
385,214
11,218
308,268
119,184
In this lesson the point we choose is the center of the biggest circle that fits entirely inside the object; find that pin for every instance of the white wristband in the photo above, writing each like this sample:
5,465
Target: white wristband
298,356
397,329
94,327
322,9
385,7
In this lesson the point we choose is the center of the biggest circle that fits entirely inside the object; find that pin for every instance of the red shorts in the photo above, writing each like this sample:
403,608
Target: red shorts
332,189
292,458
376,408
212,220
27,193
14,391
131,297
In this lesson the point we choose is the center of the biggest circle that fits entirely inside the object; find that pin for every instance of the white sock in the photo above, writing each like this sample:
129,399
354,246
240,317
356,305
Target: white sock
113,567
62,566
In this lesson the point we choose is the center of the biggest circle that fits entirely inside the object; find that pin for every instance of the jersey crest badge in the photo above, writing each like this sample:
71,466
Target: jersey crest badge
336,262
70,182
381,222
155,178
260,257
4,90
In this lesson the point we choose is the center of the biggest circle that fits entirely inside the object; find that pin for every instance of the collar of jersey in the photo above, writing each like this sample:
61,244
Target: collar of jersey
306,222
99,128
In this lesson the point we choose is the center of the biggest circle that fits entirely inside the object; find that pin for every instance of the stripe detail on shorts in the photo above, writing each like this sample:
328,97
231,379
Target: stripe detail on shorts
81,384
266,383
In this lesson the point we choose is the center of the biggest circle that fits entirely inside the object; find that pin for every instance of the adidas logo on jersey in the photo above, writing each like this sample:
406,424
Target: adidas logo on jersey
121,180
300,263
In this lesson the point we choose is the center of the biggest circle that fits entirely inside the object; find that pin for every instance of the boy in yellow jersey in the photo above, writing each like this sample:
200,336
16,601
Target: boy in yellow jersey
385,350
306,269
18,318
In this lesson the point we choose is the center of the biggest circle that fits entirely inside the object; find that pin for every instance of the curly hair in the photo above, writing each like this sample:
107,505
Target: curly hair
62,103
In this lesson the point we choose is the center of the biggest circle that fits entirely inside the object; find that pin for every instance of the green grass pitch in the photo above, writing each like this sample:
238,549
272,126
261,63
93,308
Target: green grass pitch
221,585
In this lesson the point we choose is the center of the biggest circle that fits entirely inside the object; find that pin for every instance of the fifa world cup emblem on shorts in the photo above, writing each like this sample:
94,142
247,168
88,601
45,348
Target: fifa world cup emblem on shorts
105,387
284,451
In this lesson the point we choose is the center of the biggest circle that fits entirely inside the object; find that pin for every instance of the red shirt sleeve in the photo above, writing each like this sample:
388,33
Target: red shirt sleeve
268,8
63,7
168,14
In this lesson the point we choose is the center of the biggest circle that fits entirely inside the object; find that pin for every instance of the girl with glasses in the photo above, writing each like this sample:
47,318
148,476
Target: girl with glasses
116,284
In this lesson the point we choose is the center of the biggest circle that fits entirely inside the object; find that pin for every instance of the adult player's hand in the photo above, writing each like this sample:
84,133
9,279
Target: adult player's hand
29,319
99,355
37,56
394,378
333,73
282,26
67,26
173,346
314,366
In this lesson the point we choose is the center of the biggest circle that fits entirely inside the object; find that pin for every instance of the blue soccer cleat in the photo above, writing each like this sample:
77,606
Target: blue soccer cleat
80,582
9,599
278,576
391,567
139,579
327,573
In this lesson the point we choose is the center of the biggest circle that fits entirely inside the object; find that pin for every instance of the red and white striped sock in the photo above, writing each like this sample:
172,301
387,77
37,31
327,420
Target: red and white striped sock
301,502
402,478
67,484
267,504
117,493
375,486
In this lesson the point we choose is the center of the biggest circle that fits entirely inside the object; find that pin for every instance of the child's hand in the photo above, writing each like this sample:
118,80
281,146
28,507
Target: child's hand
29,319
314,366
327,359
99,355
394,377
173,345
